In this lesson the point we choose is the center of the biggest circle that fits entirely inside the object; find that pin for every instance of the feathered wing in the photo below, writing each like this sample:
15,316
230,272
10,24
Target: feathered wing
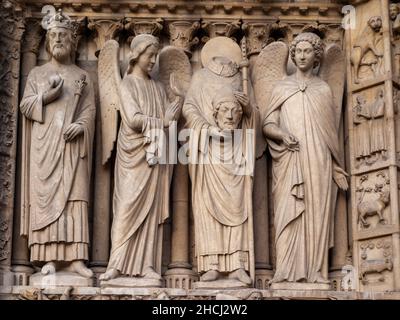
109,81
332,71
174,67
270,66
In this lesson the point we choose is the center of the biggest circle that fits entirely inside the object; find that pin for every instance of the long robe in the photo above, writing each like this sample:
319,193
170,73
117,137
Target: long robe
221,198
303,187
141,190
378,132
57,172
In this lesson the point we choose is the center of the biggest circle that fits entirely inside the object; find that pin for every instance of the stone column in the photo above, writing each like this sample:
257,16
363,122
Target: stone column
374,147
21,265
104,29
257,35
180,273
11,30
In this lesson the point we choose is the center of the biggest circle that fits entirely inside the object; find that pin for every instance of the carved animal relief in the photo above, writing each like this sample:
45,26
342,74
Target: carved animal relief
373,198
376,258
367,53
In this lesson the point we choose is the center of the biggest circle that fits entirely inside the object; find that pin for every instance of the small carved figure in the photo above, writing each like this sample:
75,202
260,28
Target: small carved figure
375,266
394,14
370,208
378,129
361,115
369,129
367,41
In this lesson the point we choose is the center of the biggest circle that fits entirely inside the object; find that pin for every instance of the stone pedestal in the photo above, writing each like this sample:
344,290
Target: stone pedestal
262,279
59,279
182,278
300,286
132,282
220,284
22,274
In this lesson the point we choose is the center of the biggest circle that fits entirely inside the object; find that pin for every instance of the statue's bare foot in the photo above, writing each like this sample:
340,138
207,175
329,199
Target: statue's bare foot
49,268
150,273
79,267
109,274
241,275
210,275
321,279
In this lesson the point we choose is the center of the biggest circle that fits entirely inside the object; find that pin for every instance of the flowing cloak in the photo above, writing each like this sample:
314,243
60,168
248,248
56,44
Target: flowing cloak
55,172
141,191
221,198
303,189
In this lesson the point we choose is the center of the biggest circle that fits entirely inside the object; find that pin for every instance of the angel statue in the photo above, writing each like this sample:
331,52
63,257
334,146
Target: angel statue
221,167
142,179
301,115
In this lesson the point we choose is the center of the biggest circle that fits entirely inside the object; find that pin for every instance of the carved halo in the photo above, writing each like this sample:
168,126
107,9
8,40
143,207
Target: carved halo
221,47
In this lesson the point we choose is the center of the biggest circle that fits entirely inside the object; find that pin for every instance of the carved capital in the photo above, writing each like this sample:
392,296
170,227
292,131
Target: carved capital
105,30
257,35
81,24
334,33
219,28
32,36
182,34
136,27
319,29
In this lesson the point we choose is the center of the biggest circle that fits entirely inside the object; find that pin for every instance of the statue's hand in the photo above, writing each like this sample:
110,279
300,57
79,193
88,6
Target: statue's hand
174,84
244,101
173,111
339,176
53,92
290,141
73,130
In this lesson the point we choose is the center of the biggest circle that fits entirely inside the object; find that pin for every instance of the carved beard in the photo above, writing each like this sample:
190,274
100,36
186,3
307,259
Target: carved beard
61,53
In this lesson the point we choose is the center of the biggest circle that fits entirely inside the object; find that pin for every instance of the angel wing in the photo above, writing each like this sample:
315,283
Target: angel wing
175,71
109,81
332,71
269,67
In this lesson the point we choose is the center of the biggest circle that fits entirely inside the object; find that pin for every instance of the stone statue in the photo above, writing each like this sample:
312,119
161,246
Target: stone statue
300,122
142,178
58,110
215,106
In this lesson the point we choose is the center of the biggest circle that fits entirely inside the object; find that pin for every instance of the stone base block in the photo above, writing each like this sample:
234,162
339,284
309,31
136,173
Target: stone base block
180,278
220,284
60,279
300,286
132,282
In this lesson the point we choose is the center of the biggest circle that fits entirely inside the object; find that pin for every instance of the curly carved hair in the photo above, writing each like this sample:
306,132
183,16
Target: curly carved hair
311,38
